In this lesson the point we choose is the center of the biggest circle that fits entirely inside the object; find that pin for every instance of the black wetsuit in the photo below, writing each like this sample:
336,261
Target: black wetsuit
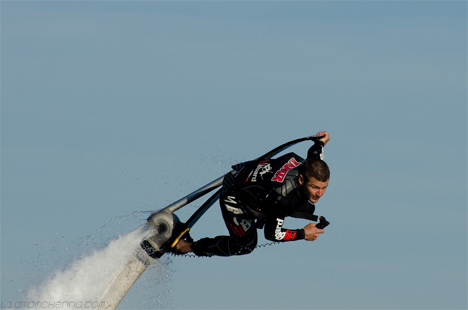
262,193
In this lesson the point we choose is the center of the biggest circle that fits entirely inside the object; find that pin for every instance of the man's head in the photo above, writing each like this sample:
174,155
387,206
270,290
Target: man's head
313,178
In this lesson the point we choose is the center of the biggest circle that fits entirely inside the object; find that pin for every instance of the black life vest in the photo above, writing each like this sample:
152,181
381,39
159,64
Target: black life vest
269,187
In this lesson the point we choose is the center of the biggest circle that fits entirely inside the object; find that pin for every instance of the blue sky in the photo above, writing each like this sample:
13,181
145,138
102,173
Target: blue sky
112,107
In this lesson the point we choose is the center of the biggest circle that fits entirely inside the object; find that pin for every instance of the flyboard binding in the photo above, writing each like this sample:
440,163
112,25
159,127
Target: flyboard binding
169,229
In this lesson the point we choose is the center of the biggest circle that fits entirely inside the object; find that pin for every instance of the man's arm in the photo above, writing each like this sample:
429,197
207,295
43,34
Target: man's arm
316,150
274,231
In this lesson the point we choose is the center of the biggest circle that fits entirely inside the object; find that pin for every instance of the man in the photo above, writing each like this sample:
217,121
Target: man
261,195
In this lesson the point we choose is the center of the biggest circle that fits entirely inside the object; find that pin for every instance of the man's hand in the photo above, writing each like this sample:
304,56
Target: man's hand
312,232
326,137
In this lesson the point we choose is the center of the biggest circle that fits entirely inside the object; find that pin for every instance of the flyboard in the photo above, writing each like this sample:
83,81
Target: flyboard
167,230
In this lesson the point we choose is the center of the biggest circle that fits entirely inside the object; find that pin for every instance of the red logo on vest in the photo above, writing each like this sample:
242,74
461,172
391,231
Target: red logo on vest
235,229
280,174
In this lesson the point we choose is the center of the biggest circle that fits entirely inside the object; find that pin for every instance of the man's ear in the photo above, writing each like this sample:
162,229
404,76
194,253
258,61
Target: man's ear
300,179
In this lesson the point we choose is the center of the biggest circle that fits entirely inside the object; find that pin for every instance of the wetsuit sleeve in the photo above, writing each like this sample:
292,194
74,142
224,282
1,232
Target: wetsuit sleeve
274,230
316,150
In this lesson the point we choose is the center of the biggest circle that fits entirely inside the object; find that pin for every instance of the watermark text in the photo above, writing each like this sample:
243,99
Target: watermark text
53,304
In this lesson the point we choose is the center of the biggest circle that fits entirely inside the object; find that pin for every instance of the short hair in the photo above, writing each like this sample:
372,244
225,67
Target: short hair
315,168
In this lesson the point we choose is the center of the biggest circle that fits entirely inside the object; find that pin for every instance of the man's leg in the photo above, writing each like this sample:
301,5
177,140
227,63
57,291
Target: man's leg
242,237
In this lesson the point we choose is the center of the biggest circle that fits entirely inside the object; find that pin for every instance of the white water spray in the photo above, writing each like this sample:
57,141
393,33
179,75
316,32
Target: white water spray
84,282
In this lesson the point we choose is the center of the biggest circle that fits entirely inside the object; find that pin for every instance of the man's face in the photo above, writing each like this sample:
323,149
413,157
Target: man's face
312,189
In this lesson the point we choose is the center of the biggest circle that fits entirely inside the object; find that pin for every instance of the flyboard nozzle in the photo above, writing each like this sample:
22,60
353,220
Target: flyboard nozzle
164,224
